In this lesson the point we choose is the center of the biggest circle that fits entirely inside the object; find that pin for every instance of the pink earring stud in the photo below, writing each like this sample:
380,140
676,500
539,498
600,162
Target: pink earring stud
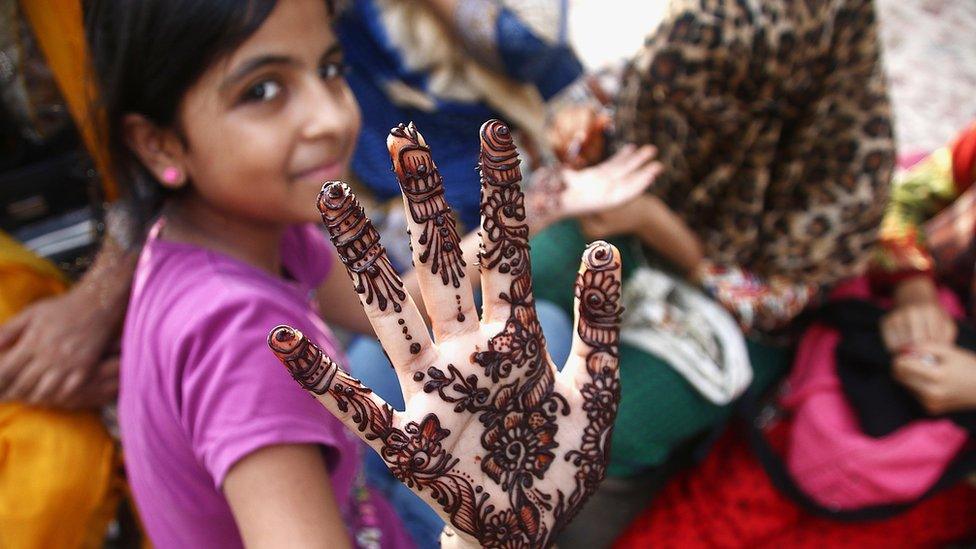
171,175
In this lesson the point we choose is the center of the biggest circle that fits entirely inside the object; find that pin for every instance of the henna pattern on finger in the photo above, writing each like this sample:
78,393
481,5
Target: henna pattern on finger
423,187
414,454
358,244
505,235
598,290
311,368
511,395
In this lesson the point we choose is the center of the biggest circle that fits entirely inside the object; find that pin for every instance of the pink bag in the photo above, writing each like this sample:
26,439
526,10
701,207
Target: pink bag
828,456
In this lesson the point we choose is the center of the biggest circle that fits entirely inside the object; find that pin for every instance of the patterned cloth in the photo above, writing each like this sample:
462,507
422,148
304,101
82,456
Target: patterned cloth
774,126
930,222
406,68
729,502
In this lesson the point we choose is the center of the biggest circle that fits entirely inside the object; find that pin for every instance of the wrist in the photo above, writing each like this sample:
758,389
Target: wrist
104,289
916,290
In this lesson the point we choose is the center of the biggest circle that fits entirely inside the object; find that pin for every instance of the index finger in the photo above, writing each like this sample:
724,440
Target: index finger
392,313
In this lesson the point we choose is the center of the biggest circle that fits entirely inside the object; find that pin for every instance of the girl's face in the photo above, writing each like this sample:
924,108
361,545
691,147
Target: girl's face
268,125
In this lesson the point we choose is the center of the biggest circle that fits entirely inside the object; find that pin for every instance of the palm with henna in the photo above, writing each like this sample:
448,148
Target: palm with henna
505,447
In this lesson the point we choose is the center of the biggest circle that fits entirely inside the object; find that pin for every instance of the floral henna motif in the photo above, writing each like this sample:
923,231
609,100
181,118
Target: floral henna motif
514,395
424,188
505,234
358,244
520,418
414,454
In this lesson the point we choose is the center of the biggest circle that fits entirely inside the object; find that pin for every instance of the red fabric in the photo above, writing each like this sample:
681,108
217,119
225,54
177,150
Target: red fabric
964,159
729,502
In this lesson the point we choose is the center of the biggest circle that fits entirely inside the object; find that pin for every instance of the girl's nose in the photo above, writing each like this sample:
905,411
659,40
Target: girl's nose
328,110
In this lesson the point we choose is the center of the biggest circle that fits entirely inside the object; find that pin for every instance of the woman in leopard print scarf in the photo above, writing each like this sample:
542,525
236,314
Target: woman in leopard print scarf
773,124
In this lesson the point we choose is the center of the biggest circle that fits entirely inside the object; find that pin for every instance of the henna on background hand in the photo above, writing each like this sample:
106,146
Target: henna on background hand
423,186
544,199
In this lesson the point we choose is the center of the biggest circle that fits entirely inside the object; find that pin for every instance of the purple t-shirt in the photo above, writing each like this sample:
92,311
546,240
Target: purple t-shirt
200,389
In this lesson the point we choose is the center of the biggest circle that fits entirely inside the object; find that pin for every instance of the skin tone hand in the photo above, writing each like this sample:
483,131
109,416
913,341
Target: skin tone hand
562,193
942,376
493,437
918,317
55,353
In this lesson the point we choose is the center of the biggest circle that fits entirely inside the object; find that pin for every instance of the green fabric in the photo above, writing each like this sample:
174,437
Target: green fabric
659,410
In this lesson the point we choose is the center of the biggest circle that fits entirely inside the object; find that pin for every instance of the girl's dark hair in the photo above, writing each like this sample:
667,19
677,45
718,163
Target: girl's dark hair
146,54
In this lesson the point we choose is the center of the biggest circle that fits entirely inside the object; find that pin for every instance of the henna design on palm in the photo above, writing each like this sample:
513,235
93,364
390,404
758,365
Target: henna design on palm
504,446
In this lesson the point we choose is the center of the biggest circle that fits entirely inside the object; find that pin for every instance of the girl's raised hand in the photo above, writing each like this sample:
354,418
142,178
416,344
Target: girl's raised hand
493,437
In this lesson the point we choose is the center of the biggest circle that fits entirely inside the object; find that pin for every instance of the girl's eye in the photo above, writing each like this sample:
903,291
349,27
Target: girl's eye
333,70
265,90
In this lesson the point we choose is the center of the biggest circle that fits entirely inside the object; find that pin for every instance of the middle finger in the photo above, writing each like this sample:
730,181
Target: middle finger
433,235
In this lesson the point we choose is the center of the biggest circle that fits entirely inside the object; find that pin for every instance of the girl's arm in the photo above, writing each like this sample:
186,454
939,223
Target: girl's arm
281,496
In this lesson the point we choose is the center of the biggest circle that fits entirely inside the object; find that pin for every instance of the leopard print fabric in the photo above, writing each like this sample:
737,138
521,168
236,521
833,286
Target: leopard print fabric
773,122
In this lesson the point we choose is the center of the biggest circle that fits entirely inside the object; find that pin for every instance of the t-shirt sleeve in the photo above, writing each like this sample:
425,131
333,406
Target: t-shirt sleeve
307,254
237,397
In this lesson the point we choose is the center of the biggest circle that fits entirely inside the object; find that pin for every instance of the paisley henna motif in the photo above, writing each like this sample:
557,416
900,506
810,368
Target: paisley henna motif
423,186
598,291
358,244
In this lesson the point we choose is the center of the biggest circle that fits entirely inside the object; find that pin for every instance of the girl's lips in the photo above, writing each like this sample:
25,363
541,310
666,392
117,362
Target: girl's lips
322,173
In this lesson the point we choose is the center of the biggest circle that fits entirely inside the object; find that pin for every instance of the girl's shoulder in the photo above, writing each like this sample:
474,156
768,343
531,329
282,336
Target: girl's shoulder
186,293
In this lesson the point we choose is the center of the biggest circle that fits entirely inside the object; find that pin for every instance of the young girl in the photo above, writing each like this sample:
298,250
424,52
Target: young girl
239,112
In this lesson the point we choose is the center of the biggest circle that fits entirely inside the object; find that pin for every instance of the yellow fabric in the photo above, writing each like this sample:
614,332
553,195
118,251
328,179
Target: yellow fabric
24,277
58,26
58,482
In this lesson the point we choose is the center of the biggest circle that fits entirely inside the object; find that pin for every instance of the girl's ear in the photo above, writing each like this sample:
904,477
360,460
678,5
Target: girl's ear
160,150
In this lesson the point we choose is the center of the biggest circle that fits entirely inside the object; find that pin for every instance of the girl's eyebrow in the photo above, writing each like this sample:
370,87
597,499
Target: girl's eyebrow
332,50
251,65
256,63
